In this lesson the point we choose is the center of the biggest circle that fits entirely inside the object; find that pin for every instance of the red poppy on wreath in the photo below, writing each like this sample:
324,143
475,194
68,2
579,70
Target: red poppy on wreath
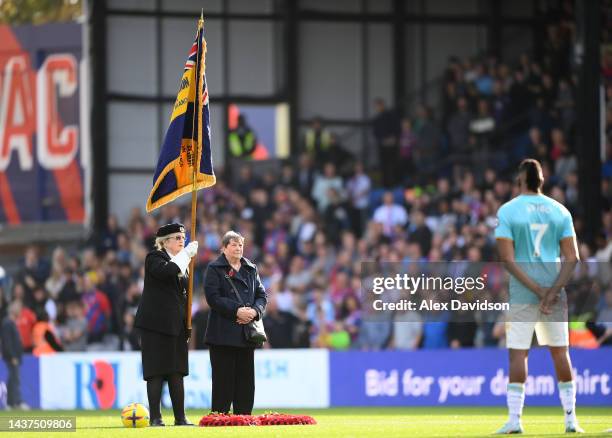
269,419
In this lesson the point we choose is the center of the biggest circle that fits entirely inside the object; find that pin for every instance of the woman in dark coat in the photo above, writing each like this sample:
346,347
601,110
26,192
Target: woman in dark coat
231,356
161,318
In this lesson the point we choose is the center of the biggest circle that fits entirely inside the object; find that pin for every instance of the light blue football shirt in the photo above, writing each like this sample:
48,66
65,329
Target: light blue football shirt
536,224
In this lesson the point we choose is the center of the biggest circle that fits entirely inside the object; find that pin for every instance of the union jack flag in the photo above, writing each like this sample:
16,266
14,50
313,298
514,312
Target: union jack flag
193,54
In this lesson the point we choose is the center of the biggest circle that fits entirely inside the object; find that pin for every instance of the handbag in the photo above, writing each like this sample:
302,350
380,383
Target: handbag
254,331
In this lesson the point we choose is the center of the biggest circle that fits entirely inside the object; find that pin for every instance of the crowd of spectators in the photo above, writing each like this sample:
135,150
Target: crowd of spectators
310,226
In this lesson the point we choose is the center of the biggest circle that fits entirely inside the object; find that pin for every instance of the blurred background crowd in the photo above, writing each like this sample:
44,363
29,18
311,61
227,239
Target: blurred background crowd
441,176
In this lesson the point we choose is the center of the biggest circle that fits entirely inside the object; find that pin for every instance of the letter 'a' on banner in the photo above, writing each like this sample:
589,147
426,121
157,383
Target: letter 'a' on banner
185,160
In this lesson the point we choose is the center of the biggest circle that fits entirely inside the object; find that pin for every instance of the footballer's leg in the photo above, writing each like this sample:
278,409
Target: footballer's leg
518,340
554,333
567,387
515,395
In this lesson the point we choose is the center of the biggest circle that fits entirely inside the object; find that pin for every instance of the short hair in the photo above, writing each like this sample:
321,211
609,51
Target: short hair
231,235
159,242
533,174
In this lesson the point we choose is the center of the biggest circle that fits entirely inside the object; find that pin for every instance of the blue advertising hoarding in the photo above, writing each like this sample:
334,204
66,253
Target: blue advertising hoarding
30,382
475,377
389,378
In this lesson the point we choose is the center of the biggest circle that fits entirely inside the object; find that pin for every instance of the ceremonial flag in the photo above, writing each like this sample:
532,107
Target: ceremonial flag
185,160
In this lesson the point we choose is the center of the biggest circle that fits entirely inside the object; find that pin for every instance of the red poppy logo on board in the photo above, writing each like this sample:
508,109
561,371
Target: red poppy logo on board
96,384
104,384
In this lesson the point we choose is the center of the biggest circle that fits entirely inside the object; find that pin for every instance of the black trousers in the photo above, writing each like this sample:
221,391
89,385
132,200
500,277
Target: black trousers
13,385
233,379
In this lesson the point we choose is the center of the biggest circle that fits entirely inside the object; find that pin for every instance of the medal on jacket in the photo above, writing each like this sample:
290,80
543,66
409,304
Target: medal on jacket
184,280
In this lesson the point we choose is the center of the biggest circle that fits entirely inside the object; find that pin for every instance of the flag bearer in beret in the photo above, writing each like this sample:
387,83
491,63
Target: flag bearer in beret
161,318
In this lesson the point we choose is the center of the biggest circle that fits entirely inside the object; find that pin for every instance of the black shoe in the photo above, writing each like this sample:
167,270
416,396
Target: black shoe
156,422
183,422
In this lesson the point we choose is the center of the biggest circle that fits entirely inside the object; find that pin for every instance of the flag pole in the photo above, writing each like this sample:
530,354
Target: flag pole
192,262
196,163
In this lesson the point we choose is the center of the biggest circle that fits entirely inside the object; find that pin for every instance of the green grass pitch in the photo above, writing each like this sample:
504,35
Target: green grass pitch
348,422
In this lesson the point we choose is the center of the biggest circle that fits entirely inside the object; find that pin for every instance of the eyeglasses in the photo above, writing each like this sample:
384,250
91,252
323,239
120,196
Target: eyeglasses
179,238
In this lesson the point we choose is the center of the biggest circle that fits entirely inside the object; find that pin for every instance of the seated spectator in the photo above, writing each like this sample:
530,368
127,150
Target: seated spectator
73,333
57,278
280,326
340,288
566,163
375,333
459,126
320,309
322,184
407,330
335,216
97,309
298,277
419,232
390,215
358,191
350,315
33,272
41,301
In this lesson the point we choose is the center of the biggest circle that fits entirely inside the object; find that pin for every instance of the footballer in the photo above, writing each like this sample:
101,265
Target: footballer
532,232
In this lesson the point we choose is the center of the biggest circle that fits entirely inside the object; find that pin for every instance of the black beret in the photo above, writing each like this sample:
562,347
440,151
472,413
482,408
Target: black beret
168,229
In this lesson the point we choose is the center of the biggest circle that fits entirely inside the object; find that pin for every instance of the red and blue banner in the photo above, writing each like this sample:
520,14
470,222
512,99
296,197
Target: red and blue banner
42,155
185,160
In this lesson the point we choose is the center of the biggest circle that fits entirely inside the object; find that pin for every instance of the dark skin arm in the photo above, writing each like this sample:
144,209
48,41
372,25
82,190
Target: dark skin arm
569,250
506,254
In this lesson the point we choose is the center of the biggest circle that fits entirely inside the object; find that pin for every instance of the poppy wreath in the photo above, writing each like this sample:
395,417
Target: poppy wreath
274,419
213,419
269,419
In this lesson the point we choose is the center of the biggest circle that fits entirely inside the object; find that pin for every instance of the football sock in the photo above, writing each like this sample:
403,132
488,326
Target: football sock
516,399
567,394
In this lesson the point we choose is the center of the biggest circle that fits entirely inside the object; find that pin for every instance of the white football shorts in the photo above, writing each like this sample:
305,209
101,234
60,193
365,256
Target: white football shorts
523,319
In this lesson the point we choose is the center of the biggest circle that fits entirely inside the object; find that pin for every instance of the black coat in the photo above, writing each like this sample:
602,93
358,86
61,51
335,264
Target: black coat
222,328
163,302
